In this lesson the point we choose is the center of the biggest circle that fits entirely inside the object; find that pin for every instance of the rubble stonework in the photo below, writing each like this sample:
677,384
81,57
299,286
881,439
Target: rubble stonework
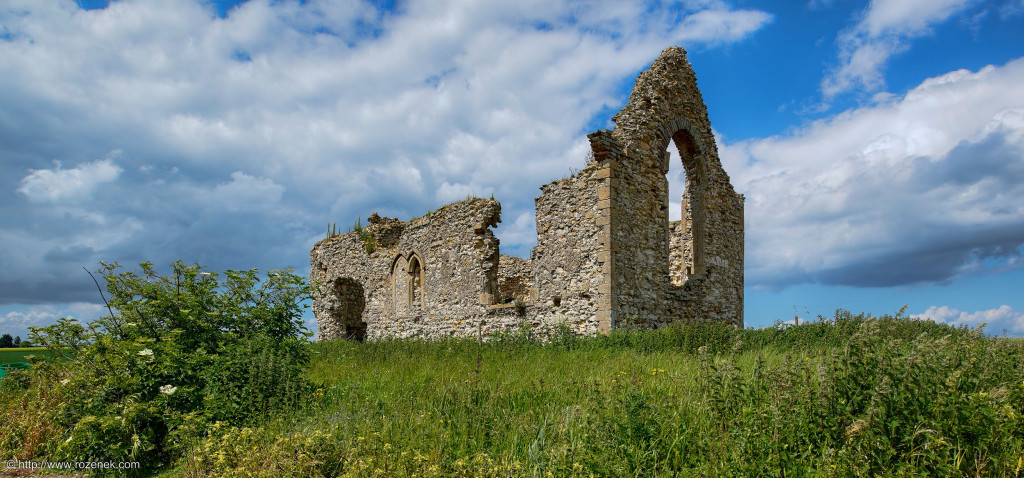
606,254
515,279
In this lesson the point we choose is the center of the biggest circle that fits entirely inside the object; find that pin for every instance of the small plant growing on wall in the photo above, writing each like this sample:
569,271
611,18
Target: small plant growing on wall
332,229
369,242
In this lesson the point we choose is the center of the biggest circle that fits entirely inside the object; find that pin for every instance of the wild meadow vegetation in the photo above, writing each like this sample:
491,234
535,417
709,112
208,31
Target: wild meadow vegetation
176,356
850,396
196,377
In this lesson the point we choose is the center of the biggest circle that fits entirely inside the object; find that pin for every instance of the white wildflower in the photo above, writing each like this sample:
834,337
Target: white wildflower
146,353
65,381
168,389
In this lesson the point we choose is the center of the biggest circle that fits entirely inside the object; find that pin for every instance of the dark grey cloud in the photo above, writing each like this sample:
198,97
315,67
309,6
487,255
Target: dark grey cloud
992,159
918,189
937,259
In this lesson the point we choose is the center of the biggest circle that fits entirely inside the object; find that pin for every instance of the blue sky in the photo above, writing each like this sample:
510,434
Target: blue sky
880,144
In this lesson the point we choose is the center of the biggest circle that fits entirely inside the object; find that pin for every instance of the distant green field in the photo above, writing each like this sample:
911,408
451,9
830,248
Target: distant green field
18,354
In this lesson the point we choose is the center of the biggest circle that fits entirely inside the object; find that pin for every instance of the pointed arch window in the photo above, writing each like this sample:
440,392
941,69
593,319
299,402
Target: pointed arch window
688,253
407,283
399,285
415,283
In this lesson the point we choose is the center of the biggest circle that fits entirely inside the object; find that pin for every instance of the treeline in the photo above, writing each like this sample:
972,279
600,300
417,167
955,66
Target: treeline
7,342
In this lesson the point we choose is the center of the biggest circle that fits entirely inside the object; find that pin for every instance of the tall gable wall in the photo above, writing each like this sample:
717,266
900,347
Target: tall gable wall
665,106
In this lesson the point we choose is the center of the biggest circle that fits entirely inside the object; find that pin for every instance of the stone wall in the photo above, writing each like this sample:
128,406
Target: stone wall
431,276
680,251
666,107
569,263
515,279
606,254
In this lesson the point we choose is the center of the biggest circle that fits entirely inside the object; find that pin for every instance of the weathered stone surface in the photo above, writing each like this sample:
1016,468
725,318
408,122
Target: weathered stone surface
606,254
515,279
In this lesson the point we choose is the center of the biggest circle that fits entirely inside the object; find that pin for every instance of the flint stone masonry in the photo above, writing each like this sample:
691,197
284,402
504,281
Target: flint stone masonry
606,254
515,279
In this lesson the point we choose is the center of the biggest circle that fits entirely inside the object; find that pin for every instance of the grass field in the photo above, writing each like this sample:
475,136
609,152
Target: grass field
19,354
877,398
849,396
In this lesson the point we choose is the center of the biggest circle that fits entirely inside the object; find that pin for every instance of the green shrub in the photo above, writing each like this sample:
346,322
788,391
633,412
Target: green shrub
176,354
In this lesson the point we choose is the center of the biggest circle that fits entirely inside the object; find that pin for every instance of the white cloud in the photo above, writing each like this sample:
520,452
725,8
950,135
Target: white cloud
997,320
245,192
1011,9
883,31
267,123
56,184
449,192
908,16
266,84
893,193
721,25
517,233
15,319
43,314
19,318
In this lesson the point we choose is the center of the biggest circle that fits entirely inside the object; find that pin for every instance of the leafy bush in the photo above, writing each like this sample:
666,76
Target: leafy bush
175,355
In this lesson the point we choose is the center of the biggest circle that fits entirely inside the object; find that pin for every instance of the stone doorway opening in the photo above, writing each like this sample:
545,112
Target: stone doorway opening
347,308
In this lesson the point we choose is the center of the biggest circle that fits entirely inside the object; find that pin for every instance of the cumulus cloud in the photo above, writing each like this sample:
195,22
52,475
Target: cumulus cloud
1000,319
57,183
884,29
241,135
17,322
894,193
721,25
244,192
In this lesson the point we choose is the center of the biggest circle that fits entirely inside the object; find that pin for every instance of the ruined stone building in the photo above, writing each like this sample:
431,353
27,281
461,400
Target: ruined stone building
606,254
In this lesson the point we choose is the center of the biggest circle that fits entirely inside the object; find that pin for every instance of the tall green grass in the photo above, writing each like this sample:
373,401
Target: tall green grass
848,396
